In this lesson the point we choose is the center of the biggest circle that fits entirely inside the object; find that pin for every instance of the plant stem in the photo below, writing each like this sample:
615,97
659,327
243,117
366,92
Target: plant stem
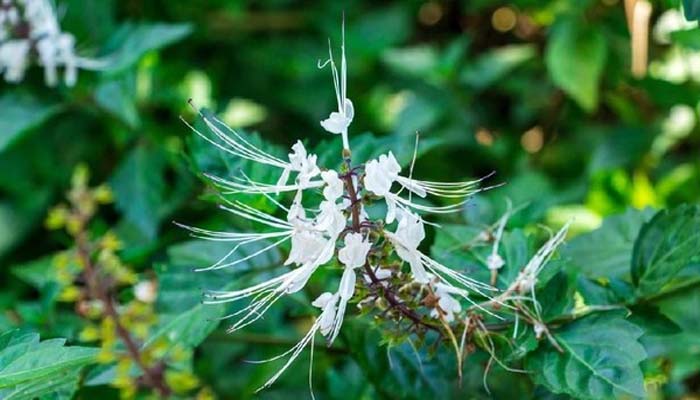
153,377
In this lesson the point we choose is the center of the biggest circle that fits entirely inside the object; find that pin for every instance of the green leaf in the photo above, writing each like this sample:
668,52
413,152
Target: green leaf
691,9
575,57
139,188
688,38
60,387
607,251
496,64
24,359
134,41
457,246
19,113
600,360
666,244
184,318
117,96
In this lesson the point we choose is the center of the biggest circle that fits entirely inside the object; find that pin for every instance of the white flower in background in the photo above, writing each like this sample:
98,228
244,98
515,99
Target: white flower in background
14,59
326,220
33,25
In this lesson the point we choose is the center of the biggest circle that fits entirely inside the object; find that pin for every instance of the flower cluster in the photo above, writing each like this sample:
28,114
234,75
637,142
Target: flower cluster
367,219
29,31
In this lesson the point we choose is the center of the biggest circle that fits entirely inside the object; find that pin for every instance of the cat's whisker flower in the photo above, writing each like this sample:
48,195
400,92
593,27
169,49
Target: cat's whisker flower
319,229
383,172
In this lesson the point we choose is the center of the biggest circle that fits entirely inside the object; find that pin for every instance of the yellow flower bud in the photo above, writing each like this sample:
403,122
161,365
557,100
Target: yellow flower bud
57,217
90,334
103,194
110,242
206,394
69,294
181,381
81,176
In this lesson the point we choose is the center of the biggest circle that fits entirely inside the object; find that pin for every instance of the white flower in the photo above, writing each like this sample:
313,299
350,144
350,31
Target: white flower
354,254
338,221
338,122
448,304
527,278
330,219
145,291
42,33
494,261
334,186
381,174
327,303
408,236
307,245
14,59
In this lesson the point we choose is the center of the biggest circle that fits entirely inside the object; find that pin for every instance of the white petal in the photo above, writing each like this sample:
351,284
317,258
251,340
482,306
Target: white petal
347,284
349,110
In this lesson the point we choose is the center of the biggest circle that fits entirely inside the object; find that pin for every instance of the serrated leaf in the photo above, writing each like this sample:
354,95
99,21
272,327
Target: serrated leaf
23,358
575,58
136,40
666,244
607,251
19,113
600,360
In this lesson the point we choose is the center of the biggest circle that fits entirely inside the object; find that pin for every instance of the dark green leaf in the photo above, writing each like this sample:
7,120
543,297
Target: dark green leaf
600,360
19,113
666,244
136,40
117,96
691,8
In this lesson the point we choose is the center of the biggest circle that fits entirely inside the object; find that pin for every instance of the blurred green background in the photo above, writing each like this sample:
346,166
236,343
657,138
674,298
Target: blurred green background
538,91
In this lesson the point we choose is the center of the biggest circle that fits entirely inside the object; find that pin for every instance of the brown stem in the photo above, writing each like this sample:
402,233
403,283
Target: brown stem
386,292
153,377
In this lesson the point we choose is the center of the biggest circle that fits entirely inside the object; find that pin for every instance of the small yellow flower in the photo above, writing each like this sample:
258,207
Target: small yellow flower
181,381
69,294
57,217
90,334
103,194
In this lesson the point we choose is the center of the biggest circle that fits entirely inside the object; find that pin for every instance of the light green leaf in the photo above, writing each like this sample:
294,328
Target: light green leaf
600,360
19,113
666,244
24,359
607,251
134,41
575,58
